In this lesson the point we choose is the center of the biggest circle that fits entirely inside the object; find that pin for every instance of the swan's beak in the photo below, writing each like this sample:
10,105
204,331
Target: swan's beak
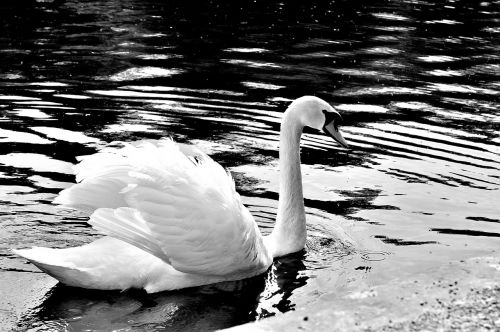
333,131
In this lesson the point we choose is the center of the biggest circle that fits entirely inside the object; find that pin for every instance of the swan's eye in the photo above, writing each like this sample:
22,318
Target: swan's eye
332,117
338,120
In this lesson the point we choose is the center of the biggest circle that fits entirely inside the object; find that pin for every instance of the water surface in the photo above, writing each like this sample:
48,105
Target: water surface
417,83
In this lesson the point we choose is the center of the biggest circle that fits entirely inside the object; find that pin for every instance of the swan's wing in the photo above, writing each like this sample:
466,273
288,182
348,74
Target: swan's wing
102,176
174,202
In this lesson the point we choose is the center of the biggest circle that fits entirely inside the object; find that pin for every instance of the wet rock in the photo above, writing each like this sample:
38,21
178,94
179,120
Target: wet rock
22,293
461,296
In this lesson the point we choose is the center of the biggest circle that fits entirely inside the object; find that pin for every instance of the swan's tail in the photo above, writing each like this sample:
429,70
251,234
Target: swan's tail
106,264
52,262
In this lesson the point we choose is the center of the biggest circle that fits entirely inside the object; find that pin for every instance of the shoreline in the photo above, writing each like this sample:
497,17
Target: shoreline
460,295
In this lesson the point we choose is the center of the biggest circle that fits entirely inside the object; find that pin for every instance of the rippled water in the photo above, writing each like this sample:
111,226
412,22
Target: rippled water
417,83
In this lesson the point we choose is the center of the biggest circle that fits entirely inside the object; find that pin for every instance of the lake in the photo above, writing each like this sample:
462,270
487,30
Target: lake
417,83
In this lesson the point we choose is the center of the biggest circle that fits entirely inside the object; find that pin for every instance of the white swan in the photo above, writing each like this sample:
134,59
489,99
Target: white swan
173,216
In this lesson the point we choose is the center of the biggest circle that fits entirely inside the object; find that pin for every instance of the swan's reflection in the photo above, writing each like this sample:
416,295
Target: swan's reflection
203,308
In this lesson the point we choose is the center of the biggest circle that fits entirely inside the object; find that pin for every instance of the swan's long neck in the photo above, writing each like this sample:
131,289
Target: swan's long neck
289,233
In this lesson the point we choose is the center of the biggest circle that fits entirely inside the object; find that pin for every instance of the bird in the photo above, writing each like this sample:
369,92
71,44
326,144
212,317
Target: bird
171,215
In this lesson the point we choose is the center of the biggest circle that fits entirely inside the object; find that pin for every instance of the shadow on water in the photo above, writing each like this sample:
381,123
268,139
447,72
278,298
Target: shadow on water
204,308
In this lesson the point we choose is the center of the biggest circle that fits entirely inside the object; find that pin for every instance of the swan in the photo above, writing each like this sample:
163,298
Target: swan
172,217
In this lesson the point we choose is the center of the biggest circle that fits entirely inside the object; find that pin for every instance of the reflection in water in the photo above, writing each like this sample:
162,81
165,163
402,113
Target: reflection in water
416,83
215,306
215,309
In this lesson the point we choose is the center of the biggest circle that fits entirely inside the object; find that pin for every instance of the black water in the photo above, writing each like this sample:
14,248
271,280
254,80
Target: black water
417,83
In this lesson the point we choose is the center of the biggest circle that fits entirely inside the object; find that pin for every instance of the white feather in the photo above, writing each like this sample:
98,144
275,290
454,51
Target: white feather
186,213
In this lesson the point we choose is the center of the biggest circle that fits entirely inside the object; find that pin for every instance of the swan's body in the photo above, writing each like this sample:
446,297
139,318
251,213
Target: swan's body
173,216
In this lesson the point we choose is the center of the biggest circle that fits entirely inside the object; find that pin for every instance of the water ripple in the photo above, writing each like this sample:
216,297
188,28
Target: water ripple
37,162
12,136
132,74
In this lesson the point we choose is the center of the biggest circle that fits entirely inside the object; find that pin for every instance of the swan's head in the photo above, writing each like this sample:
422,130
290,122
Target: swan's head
316,113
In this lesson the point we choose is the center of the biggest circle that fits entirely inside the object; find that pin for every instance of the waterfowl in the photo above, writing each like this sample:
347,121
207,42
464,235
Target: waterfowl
173,218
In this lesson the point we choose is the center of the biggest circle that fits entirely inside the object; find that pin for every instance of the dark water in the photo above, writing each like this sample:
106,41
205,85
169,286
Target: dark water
417,83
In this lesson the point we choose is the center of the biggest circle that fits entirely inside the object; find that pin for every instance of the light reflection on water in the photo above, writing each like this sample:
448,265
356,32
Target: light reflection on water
416,83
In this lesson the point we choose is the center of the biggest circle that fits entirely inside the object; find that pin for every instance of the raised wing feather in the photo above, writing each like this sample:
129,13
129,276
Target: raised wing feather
174,202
